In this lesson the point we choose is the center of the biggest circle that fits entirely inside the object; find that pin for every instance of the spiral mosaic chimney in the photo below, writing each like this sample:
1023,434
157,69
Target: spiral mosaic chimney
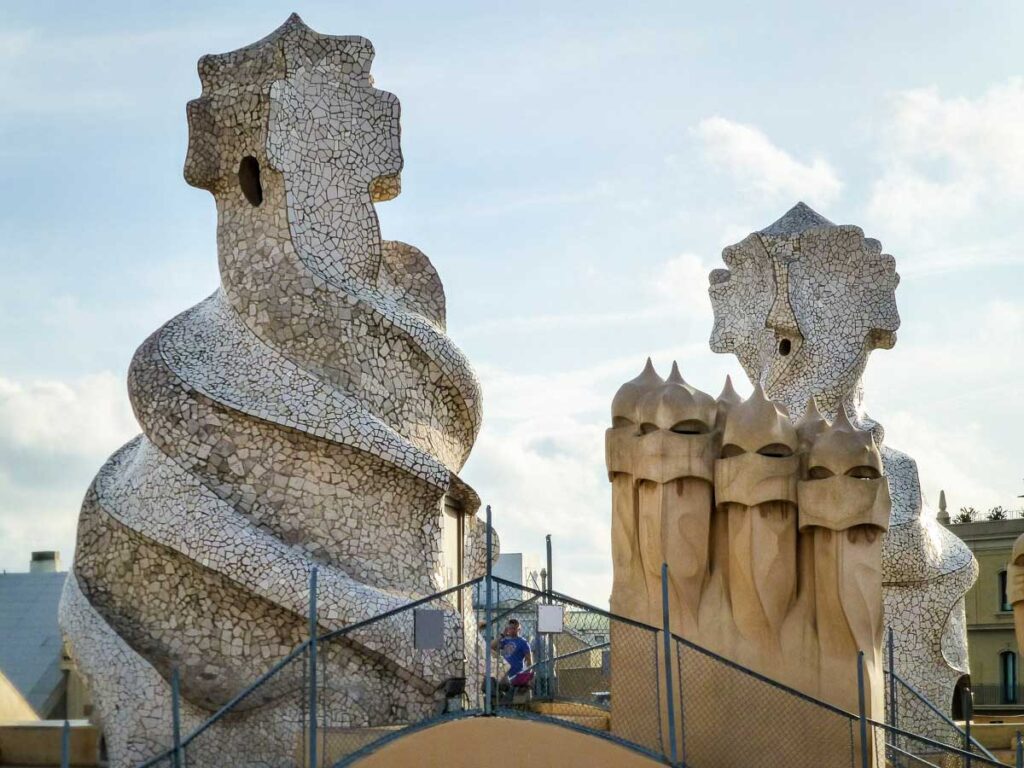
310,412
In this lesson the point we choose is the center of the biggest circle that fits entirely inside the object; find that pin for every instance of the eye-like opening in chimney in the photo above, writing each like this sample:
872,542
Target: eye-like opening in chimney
785,346
249,180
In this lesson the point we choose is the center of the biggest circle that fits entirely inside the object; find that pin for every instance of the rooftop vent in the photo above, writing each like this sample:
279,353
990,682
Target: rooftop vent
45,562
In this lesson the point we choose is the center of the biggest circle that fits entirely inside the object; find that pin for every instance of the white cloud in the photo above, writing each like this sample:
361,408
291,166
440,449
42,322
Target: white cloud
58,418
676,289
539,462
755,162
954,402
946,157
682,282
54,436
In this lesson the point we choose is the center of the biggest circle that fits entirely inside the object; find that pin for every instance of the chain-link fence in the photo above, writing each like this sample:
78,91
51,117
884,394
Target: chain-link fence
729,716
905,704
581,658
329,702
907,750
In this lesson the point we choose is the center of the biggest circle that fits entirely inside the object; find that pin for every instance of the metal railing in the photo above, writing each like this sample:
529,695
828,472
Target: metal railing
979,516
903,702
998,695
644,687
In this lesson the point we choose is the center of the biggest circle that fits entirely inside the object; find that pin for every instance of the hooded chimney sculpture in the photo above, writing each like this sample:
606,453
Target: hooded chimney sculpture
310,413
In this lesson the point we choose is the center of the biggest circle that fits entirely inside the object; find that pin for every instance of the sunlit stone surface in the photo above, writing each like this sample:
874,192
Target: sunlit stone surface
772,534
310,412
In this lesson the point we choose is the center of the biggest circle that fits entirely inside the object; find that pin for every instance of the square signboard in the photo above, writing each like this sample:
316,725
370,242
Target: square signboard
550,618
428,628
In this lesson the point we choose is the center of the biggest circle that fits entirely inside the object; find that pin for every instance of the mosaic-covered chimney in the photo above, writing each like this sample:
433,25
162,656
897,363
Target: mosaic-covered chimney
802,304
310,412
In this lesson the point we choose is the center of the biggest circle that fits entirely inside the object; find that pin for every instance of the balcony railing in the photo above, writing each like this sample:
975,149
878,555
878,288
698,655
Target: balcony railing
993,695
980,516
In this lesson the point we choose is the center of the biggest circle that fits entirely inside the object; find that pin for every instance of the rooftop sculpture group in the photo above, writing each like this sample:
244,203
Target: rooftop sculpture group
313,413
310,412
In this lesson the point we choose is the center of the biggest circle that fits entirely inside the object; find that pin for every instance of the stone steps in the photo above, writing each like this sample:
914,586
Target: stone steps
594,718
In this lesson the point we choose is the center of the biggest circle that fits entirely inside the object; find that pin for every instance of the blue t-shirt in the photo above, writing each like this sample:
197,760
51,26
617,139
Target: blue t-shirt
514,650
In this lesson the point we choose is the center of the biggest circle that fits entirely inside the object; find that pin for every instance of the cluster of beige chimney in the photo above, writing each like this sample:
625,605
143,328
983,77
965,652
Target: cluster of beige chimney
772,531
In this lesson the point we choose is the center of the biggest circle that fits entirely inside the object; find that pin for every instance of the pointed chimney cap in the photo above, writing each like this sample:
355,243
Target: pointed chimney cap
797,220
624,403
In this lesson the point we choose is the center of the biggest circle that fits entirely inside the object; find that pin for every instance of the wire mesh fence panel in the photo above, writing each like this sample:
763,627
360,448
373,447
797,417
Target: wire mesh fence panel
418,664
586,667
910,707
727,716
266,723
636,685
907,750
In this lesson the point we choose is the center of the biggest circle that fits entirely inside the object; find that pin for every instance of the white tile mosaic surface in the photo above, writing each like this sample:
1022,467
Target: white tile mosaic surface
311,411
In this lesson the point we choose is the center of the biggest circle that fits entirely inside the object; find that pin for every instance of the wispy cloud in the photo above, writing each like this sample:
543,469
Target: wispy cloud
953,400
676,289
54,435
946,156
57,74
756,163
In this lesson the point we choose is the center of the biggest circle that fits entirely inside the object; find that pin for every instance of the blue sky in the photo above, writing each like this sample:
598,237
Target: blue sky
573,170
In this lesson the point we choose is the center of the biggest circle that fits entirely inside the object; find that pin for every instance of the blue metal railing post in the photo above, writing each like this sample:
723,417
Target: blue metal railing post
1020,750
176,716
893,716
550,578
865,763
313,623
667,627
552,679
892,680
65,745
967,700
488,631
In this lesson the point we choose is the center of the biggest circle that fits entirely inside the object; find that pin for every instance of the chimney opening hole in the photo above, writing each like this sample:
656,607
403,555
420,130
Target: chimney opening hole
785,346
249,180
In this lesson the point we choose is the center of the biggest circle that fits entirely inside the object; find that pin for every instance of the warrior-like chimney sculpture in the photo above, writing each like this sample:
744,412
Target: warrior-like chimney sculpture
311,412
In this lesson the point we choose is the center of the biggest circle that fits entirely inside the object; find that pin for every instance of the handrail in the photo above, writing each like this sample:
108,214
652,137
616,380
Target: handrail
395,611
578,652
517,607
305,644
982,757
238,697
949,748
690,644
573,601
949,721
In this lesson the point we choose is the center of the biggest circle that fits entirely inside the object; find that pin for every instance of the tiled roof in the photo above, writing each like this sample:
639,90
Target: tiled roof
30,640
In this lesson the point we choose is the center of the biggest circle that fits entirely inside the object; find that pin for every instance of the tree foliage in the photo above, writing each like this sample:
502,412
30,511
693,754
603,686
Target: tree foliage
966,515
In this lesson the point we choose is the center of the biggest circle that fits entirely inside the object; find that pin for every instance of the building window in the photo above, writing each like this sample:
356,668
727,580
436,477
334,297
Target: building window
1004,601
1008,669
